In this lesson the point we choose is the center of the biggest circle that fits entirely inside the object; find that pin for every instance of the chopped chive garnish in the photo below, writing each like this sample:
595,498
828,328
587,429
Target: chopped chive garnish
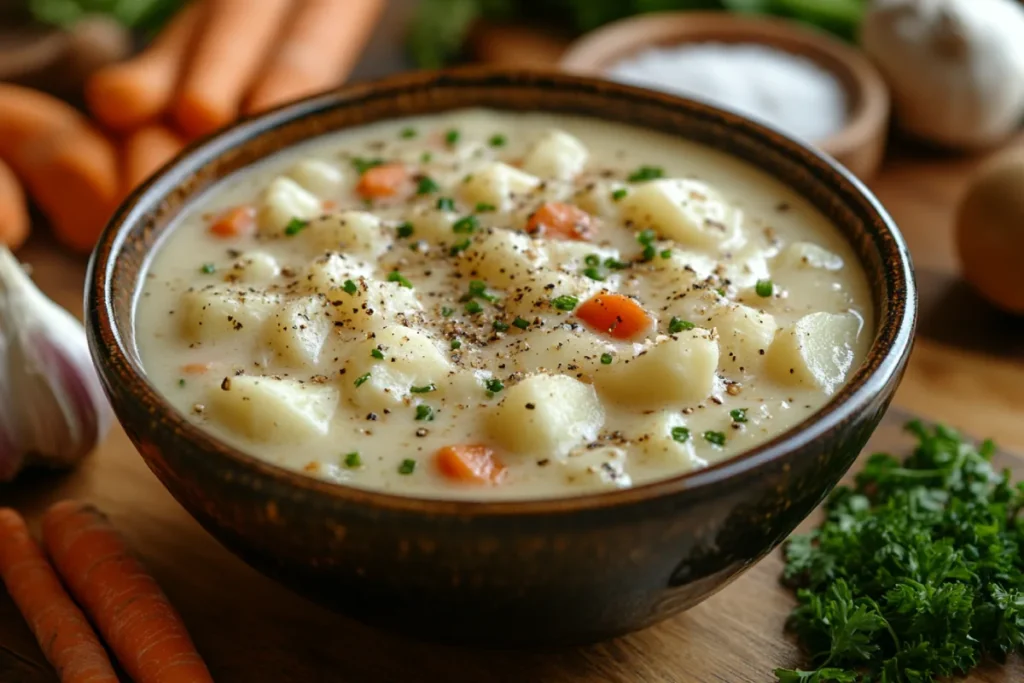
681,434
349,287
666,253
619,194
614,264
677,325
408,133
426,185
181,382
466,225
484,208
208,269
363,165
451,137
592,260
521,323
295,226
445,204
456,345
423,390
478,289
494,385
395,276
459,247
646,238
426,157
404,229
424,413
501,326
646,173
407,466
715,438
565,302
446,311
738,415
473,307
764,288
593,274
361,379
352,460
606,359
497,140
377,353
721,291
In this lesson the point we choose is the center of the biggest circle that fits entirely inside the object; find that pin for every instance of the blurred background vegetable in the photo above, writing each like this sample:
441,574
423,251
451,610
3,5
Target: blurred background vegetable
138,14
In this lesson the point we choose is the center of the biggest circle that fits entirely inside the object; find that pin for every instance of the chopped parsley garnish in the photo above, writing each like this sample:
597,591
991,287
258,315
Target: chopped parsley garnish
377,353
497,140
473,307
646,238
445,204
619,194
606,359
426,185
478,290
349,287
352,460
424,413
593,274
666,253
592,260
456,345
361,379
614,264
485,208
395,276
295,226
447,311
466,225
500,326
565,302
494,385
715,438
404,229
426,157
677,325
680,434
764,288
646,173
208,269
459,247
521,323
738,414
451,137
423,390
407,466
363,165
408,133
721,291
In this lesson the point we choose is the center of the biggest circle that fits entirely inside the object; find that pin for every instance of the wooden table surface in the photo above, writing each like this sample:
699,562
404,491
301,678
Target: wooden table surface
967,369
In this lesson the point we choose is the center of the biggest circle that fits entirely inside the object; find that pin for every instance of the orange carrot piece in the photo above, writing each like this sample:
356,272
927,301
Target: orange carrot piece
383,181
146,150
235,222
67,165
614,314
63,632
318,50
196,368
126,604
560,221
235,38
14,222
475,464
130,93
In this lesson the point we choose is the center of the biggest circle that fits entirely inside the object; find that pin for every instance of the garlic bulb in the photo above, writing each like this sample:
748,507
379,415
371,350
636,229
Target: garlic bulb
955,67
52,407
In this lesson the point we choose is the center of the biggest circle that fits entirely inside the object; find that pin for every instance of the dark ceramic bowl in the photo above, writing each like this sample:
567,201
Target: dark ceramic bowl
546,571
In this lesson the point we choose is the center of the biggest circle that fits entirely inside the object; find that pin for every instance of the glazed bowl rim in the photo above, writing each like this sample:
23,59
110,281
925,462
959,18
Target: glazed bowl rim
889,349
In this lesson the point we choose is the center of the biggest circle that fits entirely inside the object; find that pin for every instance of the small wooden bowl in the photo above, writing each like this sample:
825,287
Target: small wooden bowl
859,146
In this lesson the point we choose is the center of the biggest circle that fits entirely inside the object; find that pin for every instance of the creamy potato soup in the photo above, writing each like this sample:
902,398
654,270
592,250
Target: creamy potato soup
493,305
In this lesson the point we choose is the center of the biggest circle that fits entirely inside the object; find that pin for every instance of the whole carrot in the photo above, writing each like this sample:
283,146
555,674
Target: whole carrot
63,632
235,39
317,51
146,150
14,223
132,92
123,600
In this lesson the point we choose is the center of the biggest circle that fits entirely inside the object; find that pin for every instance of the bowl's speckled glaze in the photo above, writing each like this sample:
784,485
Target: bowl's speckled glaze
549,571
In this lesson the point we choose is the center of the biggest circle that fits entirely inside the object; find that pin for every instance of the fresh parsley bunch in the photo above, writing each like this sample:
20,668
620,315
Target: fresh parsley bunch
917,571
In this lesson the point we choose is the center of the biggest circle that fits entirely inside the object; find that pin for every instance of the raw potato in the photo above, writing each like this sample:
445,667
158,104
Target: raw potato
603,467
411,358
744,335
808,255
283,200
502,258
676,371
318,176
209,315
652,438
686,211
546,415
495,184
255,267
557,155
353,232
296,332
816,351
273,410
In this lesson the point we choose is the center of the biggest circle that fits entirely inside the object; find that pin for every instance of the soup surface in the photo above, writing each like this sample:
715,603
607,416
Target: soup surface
492,305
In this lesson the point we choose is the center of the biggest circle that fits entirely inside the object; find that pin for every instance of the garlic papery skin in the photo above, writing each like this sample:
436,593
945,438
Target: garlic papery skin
955,67
52,407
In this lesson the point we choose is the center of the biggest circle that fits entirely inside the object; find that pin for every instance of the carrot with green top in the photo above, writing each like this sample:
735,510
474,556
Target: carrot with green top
63,632
124,601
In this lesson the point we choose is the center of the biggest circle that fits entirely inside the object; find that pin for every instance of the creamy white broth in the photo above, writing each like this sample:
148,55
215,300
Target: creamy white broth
293,344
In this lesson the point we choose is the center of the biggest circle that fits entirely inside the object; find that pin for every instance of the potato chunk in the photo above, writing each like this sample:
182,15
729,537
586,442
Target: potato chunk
529,298
273,410
372,303
408,358
675,371
686,211
599,199
556,155
576,353
546,415
816,351
744,335
603,467
502,258
354,232
495,184
212,314
318,176
809,255
330,271
297,331
663,439
434,226
283,200
255,267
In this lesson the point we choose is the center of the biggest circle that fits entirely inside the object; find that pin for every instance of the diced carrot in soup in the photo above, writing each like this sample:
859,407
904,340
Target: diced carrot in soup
196,368
614,314
383,181
236,222
560,221
475,464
